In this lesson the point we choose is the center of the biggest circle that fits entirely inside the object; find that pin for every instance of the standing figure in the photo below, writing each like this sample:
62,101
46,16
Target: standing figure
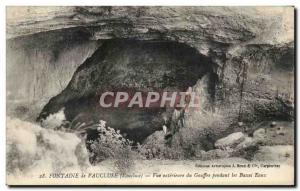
177,119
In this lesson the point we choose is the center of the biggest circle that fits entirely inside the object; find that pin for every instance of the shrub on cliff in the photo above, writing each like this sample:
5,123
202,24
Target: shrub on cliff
112,145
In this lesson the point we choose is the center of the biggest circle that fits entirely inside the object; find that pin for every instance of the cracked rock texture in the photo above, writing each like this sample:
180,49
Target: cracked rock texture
31,148
248,52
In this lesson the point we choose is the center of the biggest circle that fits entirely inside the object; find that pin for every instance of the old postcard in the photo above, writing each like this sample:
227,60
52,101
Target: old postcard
123,95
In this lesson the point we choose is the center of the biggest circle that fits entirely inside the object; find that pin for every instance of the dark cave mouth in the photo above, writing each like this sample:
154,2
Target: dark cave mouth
147,66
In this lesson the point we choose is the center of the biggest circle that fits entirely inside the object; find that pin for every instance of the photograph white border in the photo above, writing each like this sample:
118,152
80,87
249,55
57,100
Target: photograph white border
5,3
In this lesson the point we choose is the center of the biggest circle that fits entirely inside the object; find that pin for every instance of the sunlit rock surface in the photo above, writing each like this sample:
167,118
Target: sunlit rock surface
32,149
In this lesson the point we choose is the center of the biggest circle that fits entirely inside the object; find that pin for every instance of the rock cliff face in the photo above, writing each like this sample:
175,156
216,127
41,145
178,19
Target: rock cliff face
247,52
31,148
130,65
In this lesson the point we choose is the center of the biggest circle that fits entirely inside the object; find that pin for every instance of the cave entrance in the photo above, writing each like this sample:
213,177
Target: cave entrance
122,64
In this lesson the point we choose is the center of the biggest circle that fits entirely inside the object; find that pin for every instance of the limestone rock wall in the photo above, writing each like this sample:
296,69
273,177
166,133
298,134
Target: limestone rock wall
250,49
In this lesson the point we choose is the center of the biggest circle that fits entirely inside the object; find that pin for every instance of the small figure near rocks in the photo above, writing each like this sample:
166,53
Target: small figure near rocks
150,156
165,129
259,134
280,131
273,124
154,152
249,141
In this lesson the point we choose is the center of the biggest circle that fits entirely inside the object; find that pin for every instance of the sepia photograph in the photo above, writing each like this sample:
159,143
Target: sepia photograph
150,95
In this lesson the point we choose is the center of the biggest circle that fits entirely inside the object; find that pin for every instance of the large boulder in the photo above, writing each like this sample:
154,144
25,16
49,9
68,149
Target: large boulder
32,149
230,141
259,134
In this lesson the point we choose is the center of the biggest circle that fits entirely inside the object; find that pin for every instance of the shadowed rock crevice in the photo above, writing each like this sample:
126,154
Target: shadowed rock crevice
122,65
